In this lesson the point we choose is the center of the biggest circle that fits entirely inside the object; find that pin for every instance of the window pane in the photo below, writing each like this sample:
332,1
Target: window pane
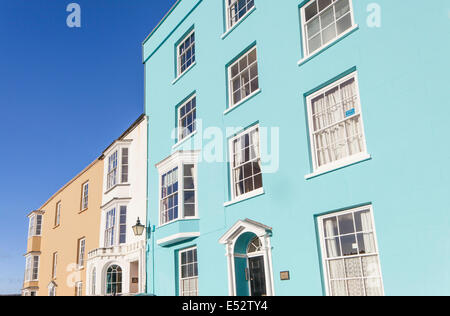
189,210
346,224
314,43
323,4
355,287
370,266
311,11
313,27
344,24
337,269
338,288
353,267
349,245
342,7
373,287
330,227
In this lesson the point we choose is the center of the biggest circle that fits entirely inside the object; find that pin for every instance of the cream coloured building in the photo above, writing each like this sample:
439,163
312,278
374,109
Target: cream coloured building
117,266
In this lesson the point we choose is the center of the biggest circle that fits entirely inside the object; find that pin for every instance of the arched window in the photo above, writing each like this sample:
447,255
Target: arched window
255,245
94,279
114,280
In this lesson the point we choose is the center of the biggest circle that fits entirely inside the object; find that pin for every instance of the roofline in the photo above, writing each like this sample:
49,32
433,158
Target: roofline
129,129
139,120
161,22
70,182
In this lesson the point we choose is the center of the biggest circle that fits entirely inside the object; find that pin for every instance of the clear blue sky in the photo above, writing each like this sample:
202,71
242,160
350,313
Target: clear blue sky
65,94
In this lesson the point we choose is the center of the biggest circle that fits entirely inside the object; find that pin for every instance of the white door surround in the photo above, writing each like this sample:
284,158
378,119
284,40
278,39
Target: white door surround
232,239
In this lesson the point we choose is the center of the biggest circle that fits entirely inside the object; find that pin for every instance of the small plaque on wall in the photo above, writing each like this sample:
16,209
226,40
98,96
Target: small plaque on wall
285,276
134,280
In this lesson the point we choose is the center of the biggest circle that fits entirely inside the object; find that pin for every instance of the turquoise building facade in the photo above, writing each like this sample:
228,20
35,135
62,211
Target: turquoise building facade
298,148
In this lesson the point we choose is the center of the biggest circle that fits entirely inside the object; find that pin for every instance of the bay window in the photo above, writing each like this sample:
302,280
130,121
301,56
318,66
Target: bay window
178,188
117,171
31,268
35,225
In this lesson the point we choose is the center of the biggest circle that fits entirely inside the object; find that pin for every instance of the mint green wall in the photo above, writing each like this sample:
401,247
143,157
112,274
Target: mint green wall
403,78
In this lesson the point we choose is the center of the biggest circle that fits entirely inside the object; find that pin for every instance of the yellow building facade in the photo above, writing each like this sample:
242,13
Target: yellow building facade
62,233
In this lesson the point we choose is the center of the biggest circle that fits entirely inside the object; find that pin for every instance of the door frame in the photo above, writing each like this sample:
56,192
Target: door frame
230,238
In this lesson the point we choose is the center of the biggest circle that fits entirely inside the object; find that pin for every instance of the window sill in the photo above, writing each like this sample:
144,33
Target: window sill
339,165
181,142
231,29
245,197
57,226
177,238
184,73
320,50
251,96
82,211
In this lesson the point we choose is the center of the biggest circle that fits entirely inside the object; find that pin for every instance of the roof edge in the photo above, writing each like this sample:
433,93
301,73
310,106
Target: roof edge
161,22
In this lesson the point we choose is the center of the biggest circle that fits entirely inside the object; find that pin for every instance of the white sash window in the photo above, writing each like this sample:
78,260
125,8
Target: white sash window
350,253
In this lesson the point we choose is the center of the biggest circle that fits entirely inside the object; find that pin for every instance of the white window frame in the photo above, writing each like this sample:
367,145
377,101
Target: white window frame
112,172
228,8
124,164
81,252
231,104
55,264
178,160
93,280
112,181
180,279
32,268
110,229
323,250
33,225
306,52
349,159
121,224
255,192
191,46
85,196
79,288
58,214
180,118
118,270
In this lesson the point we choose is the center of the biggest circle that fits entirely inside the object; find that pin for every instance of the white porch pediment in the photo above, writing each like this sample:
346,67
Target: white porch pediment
243,226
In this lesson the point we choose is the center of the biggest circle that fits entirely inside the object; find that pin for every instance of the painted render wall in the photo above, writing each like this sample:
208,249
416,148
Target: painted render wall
74,224
403,79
